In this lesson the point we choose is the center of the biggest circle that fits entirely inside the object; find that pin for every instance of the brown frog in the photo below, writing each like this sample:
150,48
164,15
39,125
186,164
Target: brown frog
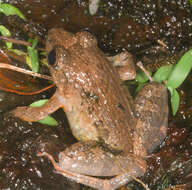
115,132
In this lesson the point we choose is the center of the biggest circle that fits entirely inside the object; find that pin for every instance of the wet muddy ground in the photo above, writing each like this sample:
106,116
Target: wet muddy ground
118,25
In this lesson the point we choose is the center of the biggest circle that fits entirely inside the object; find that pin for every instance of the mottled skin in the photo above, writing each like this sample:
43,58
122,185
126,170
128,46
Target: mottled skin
115,132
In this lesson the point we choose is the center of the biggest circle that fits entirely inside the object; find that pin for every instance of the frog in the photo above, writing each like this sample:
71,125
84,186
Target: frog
115,131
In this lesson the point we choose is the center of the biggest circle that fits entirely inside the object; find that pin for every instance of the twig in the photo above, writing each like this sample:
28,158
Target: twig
139,181
140,65
11,67
163,44
15,41
27,93
21,42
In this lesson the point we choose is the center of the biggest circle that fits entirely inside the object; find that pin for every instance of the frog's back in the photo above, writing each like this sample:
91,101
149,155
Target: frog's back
104,108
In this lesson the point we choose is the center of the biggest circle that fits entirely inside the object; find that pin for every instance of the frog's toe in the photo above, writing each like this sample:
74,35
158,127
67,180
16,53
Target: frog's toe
26,113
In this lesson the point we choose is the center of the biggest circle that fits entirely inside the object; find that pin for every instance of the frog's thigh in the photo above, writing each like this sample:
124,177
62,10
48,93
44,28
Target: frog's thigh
37,113
125,65
151,108
91,159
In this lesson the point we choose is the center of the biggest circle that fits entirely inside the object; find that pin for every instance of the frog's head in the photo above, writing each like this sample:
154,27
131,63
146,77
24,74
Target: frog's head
61,47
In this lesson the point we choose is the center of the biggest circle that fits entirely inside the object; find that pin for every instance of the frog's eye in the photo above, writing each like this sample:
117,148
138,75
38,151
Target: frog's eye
58,56
52,57
86,39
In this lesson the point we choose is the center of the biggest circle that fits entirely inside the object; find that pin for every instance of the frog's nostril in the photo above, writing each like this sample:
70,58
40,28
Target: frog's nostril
52,57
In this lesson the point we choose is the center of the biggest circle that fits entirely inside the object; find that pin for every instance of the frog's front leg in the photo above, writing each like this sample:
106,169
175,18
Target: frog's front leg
85,159
124,64
31,114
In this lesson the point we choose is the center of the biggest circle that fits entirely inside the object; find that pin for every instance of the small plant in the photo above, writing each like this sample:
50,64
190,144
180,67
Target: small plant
8,10
190,1
31,55
172,76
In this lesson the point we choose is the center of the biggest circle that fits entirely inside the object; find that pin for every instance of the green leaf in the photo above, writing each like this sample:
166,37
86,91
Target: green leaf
141,77
34,43
48,120
33,54
8,10
18,52
163,73
181,70
139,87
175,100
5,32
43,53
190,2
39,103
28,60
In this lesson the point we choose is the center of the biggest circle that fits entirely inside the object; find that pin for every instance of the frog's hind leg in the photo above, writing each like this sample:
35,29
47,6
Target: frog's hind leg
83,160
151,110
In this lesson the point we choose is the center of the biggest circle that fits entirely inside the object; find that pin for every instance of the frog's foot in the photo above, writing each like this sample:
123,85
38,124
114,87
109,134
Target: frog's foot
31,114
85,159
124,64
20,112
